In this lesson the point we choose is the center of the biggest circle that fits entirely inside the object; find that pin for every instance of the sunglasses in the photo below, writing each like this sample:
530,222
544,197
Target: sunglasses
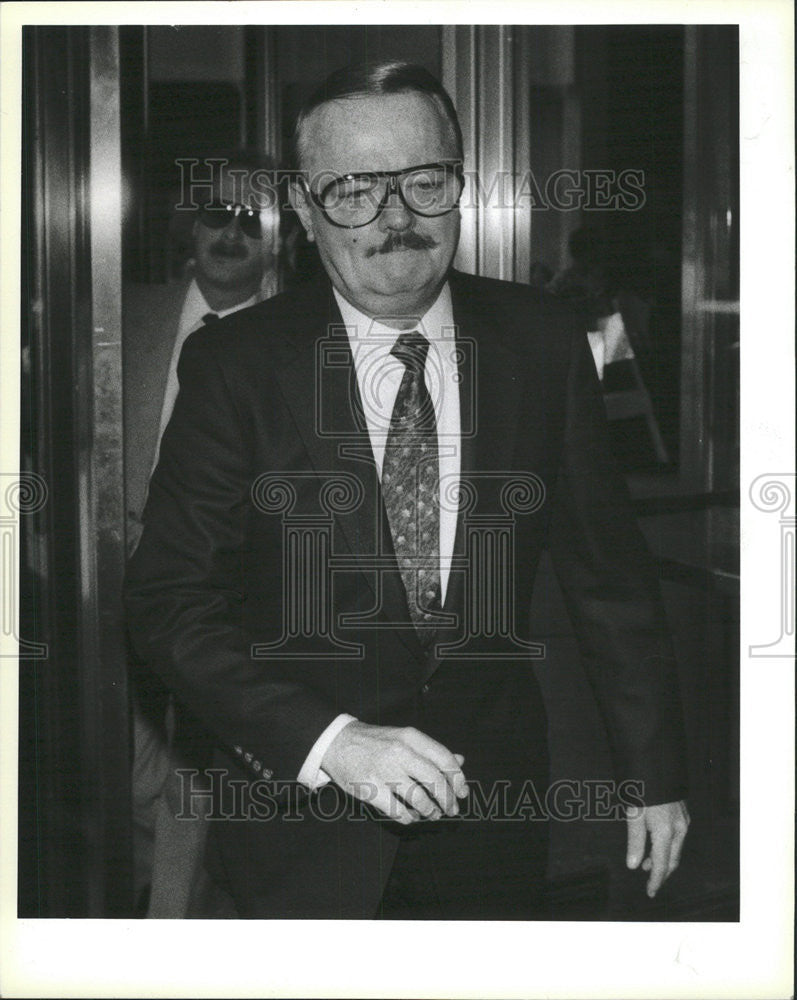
220,214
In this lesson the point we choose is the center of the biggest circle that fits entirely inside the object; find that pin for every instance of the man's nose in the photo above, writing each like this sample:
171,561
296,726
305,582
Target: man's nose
232,232
395,215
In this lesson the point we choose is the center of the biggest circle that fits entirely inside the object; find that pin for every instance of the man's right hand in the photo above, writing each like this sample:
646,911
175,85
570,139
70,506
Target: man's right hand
403,773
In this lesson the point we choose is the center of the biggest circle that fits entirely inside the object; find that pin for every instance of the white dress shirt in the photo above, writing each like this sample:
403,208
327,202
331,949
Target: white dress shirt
609,343
379,376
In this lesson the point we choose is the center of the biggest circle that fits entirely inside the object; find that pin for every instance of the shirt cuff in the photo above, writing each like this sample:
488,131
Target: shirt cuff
311,774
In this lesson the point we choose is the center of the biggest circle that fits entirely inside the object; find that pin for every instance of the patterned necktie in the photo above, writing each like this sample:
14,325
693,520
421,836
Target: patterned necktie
410,486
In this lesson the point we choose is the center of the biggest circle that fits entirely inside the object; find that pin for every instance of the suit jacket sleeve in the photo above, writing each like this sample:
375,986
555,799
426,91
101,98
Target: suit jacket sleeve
184,590
613,597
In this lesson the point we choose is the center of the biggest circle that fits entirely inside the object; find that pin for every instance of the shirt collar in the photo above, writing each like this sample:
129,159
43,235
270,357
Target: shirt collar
196,307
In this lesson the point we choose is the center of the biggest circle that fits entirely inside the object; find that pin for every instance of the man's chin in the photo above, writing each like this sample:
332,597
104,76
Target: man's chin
403,272
401,301
229,276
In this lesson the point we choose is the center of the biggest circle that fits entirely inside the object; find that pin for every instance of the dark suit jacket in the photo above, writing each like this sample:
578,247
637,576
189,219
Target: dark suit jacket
269,394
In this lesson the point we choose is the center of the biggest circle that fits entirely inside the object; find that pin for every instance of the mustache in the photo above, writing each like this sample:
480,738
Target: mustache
408,241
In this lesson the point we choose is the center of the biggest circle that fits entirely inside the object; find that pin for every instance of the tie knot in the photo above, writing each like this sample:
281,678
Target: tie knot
411,349
210,317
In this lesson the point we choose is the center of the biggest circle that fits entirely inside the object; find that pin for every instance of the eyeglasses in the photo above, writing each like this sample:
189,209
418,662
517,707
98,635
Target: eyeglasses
355,200
219,214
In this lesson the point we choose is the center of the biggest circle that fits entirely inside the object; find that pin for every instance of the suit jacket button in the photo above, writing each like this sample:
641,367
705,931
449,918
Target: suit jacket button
425,689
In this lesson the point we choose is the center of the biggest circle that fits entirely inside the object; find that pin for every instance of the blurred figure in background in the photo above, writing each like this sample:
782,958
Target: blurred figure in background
617,323
588,283
590,286
593,283
231,237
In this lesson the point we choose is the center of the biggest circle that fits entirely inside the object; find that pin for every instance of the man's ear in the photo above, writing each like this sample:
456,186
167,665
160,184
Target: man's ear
297,195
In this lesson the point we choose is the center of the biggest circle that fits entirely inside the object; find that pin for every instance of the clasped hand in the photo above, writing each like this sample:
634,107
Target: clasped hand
403,773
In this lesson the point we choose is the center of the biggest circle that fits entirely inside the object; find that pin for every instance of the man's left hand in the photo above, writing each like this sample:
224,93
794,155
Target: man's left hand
667,825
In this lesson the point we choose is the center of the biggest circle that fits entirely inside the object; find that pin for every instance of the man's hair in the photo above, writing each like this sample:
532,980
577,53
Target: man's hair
373,80
255,169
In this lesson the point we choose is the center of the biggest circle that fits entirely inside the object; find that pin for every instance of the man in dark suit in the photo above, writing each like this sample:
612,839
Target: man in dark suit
341,540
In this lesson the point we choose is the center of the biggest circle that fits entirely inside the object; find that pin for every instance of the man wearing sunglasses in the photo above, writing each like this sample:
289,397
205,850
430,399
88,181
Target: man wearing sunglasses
342,538
232,222
234,260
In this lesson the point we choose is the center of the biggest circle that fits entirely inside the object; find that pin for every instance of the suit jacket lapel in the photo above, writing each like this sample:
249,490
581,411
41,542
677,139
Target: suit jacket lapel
491,387
490,395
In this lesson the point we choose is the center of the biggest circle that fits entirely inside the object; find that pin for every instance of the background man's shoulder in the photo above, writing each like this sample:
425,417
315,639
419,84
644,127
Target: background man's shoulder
274,329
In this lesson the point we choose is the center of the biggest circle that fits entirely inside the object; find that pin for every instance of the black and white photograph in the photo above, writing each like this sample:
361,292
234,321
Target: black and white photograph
397,499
